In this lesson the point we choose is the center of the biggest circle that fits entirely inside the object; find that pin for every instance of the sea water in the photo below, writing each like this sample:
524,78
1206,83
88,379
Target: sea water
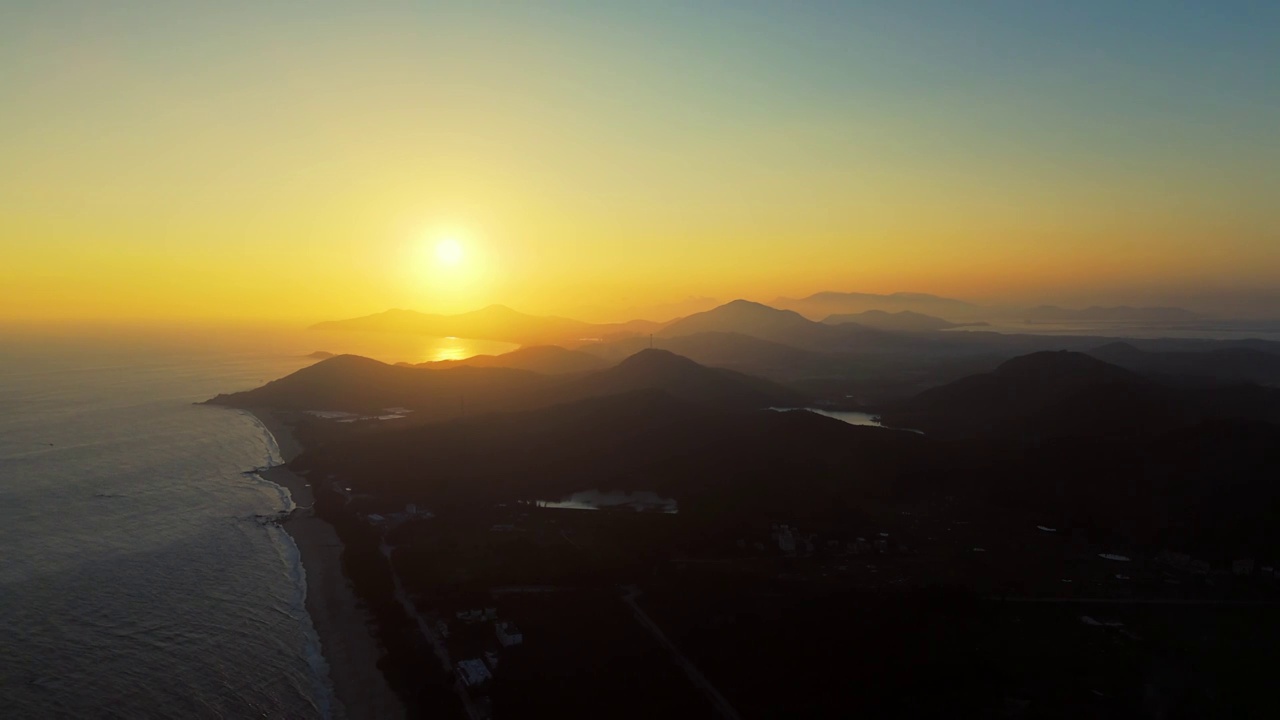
140,575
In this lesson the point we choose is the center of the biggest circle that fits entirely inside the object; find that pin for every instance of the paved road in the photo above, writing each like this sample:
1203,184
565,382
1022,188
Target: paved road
1134,601
699,680
437,644
526,589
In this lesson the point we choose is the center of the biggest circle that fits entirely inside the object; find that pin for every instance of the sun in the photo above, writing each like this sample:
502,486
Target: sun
449,251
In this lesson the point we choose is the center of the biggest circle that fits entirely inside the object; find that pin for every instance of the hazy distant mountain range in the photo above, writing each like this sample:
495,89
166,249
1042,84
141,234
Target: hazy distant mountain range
857,359
780,326
901,321
496,322
825,304
1123,313
787,320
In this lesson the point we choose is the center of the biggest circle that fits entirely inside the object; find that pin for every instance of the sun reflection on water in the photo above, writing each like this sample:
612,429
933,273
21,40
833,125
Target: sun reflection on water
460,348
400,347
450,348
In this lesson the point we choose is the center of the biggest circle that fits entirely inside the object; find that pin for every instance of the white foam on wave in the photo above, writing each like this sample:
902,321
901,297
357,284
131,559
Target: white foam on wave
314,654
285,497
274,455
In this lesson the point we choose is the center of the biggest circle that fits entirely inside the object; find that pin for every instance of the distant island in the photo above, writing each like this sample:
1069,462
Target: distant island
901,321
547,359
1123,313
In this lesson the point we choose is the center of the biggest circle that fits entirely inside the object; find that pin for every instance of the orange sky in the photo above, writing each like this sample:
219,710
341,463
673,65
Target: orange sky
246,162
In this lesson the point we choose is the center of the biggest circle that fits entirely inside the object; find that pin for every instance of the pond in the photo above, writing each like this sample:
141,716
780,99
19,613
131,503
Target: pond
640,500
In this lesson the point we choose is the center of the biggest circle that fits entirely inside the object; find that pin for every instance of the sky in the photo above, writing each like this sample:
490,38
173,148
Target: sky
300,161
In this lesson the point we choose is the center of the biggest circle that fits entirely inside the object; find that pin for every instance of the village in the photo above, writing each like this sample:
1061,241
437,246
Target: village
517,597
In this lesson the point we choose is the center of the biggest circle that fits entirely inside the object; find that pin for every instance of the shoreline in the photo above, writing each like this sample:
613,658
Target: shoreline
348,642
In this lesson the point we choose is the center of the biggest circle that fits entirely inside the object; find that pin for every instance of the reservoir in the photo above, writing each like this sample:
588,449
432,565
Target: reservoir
850,417
640,500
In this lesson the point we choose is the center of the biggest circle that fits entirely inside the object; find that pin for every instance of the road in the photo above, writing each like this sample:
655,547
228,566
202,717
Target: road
629,595
437,643
1134,601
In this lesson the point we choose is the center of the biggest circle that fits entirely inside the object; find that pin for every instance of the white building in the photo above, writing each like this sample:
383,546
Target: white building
478,614
473,673
508,634
786,540
491,659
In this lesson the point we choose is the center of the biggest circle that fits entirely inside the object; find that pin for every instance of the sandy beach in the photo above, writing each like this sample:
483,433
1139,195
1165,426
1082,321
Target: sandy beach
347,639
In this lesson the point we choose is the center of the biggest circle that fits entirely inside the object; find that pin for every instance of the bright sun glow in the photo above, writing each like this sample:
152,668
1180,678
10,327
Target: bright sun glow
449,251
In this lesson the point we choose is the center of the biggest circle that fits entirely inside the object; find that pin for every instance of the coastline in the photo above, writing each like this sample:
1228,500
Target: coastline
349,644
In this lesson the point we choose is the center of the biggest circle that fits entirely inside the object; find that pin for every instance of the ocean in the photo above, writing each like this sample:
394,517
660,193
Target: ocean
138,576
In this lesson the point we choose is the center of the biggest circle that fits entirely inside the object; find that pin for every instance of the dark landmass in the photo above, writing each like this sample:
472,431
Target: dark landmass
321,355
1066,393
545,359
1082,532
761,462
1226,365
849,364
361,385
726,464
902,321
683,379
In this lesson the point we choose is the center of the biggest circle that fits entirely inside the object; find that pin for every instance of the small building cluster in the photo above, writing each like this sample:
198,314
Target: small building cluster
478,615
473,673
508,634
391,520
476,673
790,541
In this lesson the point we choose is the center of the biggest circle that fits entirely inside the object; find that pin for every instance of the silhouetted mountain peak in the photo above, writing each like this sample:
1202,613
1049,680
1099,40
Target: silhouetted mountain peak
687,380
344,363
1228,365
748,309
1062,366
741,303
780,326
824,304
655,360
1044,393
501,311
739,316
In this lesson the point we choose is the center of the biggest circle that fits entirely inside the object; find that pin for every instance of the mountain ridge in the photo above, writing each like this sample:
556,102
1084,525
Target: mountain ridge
353,383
